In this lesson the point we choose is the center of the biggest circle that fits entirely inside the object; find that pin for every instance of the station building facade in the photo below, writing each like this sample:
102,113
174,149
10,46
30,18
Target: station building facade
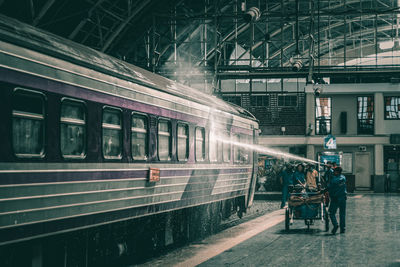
363,118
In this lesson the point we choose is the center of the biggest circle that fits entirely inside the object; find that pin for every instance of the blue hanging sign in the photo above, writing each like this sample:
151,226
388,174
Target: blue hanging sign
330,142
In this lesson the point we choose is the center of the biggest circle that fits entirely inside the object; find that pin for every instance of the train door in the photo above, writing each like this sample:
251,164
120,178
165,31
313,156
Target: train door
254,162
362,170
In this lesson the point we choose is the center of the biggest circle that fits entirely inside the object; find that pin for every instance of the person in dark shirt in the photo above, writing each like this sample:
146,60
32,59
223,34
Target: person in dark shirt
328,174
298,176
286,180
338,196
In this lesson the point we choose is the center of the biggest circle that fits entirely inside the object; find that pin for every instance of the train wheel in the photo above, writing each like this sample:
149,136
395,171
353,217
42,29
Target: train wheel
287,220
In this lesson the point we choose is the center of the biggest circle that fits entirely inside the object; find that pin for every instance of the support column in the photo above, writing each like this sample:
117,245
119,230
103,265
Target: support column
310,114
379,114
311,152
379,170
379,175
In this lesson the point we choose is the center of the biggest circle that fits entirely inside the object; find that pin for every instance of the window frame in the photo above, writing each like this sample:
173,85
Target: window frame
84,154
316,118
187,141
373,115
169,139
384,106
204,144
287,95
146,117
42,153
256,97
120,156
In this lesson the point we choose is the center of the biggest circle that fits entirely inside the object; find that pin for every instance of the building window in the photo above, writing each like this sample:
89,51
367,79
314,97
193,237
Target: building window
183,142
200,144
164,140
112,133
259,100
392,107
237,100
323,117
139,137
28,123
287,100
73,129
365,115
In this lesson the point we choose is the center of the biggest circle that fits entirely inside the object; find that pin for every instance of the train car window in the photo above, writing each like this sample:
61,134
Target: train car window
73,129
139,137
200,144
164,140
28,123
236,149
244,151
183,142
226,149
241,153
112,133
215,146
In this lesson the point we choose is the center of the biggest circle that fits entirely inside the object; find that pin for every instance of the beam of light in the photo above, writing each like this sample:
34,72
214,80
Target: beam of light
265,150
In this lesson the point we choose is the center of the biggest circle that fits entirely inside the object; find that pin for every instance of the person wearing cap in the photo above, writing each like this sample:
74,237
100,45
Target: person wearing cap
338,196
286,180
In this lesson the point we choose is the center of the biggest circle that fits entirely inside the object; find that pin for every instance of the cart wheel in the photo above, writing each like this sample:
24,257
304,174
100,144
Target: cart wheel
326,218
287,220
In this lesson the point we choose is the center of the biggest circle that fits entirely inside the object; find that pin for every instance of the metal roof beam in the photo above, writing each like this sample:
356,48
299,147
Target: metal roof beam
108,42
82,23
43,11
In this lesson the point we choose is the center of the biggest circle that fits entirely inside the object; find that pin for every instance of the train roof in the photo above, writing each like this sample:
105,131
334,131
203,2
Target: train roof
24,35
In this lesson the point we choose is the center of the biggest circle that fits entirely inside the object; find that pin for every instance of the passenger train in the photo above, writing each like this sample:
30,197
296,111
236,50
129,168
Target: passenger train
88,140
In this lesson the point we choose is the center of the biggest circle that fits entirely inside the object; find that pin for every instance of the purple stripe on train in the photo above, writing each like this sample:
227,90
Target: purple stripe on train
64,176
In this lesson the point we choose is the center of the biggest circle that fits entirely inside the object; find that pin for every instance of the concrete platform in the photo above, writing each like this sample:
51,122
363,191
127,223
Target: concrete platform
372,239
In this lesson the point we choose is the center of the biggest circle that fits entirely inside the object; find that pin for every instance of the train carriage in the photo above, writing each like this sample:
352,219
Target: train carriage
88,140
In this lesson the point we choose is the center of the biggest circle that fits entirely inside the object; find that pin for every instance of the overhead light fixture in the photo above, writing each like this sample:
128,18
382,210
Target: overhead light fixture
296,62
317,89
253,14
297,65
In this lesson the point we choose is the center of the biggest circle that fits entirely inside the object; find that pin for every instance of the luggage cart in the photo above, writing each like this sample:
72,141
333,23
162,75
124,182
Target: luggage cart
307,206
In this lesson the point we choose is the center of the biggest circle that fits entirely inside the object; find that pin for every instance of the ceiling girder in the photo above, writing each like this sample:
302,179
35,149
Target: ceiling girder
43,11
117,31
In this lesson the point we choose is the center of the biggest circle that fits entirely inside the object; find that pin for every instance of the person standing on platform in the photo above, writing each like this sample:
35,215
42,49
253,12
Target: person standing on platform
311,178
334,165
298,176
328,174
286,180
338,196
327,177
